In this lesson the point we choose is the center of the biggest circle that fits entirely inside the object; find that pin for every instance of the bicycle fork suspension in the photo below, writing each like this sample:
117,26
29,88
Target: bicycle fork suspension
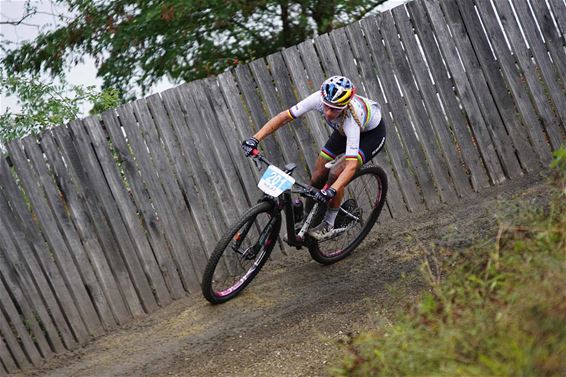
251,252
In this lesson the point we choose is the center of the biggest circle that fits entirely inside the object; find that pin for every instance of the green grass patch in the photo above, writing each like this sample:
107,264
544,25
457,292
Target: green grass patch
495,309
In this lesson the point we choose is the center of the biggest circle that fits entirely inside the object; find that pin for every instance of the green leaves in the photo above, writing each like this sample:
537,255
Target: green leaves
139,42
44,105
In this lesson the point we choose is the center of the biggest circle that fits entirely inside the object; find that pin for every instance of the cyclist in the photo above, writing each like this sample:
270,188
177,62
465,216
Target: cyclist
359,134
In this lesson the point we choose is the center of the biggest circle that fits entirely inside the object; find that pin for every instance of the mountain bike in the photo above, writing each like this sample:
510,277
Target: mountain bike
243,250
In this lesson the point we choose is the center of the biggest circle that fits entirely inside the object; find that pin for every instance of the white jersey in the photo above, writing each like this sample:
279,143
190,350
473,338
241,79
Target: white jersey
367,111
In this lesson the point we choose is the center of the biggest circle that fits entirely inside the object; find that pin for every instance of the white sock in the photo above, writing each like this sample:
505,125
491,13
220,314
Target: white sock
331,215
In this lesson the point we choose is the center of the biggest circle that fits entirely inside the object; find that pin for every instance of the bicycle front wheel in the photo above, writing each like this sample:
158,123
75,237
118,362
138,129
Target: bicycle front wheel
363,201
241,253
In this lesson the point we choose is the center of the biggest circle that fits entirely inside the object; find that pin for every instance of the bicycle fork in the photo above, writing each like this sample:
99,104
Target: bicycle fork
251,252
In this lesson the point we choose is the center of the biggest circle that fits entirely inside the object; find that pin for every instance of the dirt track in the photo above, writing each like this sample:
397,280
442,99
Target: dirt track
290,320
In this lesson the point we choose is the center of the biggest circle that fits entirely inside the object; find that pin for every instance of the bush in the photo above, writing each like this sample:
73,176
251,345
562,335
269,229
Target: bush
500,310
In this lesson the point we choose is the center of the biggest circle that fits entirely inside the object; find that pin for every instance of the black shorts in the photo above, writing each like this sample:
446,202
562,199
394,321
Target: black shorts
371,143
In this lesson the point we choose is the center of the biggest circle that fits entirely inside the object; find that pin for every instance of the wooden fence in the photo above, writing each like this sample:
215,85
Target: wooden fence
108,218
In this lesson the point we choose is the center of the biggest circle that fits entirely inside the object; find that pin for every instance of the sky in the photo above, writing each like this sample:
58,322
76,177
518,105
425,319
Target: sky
47,17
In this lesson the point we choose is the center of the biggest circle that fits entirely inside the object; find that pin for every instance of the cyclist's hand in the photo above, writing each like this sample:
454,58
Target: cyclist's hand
249,146
324,196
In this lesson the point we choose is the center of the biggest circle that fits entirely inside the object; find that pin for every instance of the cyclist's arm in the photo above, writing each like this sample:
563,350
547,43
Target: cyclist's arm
310,103
273,125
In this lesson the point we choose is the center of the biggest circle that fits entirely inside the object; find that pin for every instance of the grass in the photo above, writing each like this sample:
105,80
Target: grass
496,309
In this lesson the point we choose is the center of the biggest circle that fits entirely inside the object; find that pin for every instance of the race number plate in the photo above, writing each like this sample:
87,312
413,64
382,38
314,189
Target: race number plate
275,181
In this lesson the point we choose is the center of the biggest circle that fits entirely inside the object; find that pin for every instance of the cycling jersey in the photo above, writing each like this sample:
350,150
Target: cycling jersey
367,111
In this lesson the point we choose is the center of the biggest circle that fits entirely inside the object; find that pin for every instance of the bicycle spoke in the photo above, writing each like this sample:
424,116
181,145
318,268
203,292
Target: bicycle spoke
242,255
362,196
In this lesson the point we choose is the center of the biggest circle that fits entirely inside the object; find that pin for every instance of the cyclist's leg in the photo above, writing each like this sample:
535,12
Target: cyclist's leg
371,143
335,145
320,173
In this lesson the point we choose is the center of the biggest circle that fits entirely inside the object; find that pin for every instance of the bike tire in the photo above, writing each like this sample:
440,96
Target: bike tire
368,181
227,272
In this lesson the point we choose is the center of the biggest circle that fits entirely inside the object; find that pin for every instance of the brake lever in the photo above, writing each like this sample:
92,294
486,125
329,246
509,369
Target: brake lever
255,156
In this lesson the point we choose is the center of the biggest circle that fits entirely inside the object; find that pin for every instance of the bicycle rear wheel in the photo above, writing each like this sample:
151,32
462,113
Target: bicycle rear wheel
363,201
241,253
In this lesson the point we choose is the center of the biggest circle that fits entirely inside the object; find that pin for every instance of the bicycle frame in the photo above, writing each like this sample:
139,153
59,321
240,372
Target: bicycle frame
285,203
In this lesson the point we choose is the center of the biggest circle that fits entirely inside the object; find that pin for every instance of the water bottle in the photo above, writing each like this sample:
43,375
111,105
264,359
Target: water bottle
298,209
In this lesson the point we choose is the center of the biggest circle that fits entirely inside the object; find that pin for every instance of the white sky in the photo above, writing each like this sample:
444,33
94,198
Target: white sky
82,74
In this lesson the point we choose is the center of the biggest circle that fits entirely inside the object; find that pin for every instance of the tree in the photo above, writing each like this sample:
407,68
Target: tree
136,43
44,105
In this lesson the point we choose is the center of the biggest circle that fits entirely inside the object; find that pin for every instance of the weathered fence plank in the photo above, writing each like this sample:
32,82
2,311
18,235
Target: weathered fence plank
7,363
133,272
12,327
395,200
153,227
468,18
84,174
3,371
21,217
458,123
192,160
62,216
494,126
226,127
233,97
400,116
253,102
531,69
27,259
14,357
74,195
20,311
37,314
465,91
194,261
299,76
209,143
540,54
210,163
163,207
393,147
24,292
311,62
559,9
422,126
194,206
224,171
134,286
429,96
140,244
514,79
551,36
282,81
63,255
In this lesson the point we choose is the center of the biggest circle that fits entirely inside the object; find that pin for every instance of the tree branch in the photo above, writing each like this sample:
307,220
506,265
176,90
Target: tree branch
16,23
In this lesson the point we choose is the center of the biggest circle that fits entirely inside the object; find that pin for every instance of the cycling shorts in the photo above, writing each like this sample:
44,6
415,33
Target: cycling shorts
371,143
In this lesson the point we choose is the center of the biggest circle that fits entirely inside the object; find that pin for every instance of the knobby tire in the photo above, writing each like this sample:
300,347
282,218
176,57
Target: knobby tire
373,182
226,261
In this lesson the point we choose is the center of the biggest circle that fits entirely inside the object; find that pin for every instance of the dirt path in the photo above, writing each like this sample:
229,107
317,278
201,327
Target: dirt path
289,321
